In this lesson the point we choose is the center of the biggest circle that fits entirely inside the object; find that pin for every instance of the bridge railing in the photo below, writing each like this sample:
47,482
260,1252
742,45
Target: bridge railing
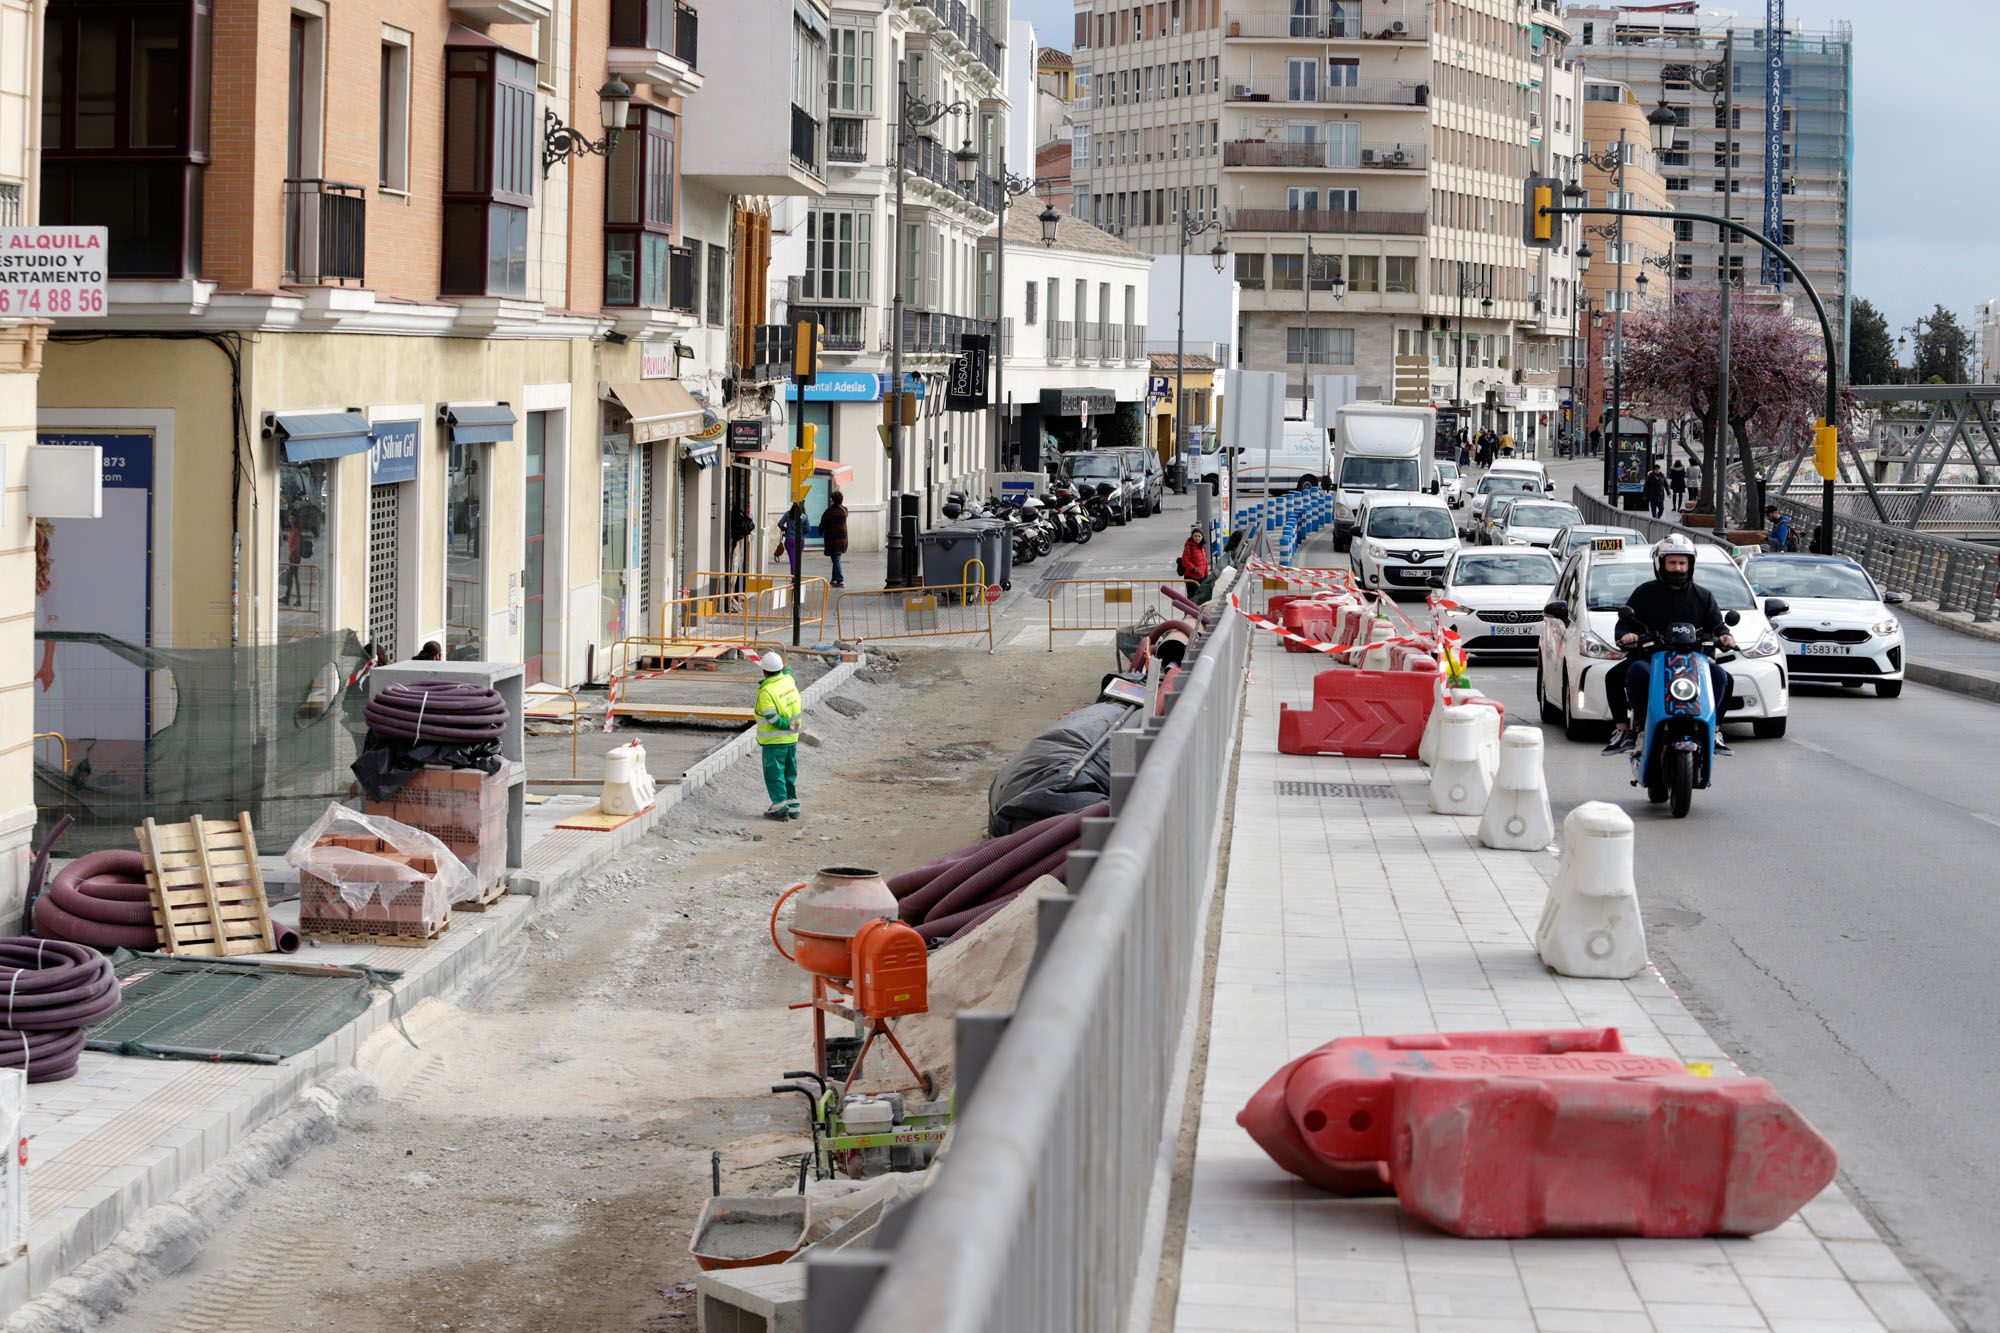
1957,509
1046,1210
1957,575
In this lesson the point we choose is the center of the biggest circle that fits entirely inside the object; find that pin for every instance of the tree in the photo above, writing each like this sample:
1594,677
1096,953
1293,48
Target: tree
1943,348
1871,352
1777,377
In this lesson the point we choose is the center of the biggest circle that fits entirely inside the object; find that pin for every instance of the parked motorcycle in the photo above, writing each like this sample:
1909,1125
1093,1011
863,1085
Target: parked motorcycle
1673,757
1097,504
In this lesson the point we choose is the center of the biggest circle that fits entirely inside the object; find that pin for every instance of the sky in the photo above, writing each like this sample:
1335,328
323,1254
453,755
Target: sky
1926,201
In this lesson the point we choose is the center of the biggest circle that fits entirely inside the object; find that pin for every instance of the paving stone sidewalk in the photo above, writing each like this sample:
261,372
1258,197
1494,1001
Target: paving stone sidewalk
1369,914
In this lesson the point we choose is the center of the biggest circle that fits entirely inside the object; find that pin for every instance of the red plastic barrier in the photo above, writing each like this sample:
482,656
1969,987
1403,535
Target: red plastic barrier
1364,714
1351,625
1484,1156
1309,618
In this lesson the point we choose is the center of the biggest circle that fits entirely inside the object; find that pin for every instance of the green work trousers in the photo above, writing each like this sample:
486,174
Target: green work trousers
781,776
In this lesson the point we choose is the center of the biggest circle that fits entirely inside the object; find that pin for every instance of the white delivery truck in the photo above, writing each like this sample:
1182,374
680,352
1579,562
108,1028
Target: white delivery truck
1377,447
1303,458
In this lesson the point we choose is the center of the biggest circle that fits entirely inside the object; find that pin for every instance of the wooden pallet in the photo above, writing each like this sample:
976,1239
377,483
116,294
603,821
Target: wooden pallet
400,941
207,889
480,904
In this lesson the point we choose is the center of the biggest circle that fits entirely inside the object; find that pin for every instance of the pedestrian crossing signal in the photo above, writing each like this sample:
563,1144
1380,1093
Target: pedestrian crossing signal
1538,222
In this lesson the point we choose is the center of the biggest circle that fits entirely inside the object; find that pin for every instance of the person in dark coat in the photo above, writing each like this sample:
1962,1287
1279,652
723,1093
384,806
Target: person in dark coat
1677,482
1656,491
833,534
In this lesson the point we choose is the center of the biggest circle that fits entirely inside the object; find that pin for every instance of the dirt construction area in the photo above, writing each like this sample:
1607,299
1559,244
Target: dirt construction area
537,1161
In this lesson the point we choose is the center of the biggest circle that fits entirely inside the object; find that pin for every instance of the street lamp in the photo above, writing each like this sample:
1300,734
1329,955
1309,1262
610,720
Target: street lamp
1220,255
1466,287
913,114
1050,220
1011,188
1663,122
614,109
1337,284
1716,80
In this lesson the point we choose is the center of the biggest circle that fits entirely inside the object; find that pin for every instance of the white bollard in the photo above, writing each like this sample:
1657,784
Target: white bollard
1517,817
1442,697
1376,656
628,785
1462,779
1590,926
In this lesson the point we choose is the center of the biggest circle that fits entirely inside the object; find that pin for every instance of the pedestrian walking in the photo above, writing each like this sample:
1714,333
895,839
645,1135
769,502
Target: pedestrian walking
1193,564
833,534
1694,481
1656,491
1677,482
295,551
788,527
1596,441
780,719
1464,454
1779,538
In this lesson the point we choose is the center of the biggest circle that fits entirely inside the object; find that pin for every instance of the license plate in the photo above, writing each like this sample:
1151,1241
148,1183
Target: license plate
1823,649
1514,629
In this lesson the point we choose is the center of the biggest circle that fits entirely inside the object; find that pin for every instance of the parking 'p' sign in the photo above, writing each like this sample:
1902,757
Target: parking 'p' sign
52,272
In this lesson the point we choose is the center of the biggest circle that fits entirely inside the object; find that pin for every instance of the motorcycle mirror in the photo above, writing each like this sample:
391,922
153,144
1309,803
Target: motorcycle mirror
1736,617
1557,610
1774,607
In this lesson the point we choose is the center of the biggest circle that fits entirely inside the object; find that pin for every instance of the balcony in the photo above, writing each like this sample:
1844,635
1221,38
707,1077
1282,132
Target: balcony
1093,343
1114,344
1323,155
846,140
843,328
1135,343
930,160
655,43
502,11
927,333
1283,92
958,19
1330,221
771,356
805,140
1383,23
326,232
1061,336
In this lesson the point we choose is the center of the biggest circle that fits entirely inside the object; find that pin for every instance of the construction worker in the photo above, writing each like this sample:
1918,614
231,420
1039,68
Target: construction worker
780,719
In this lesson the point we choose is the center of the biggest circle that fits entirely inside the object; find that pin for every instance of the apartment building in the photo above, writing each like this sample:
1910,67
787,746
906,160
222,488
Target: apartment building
947,56
21,349
1653,50
1364,162
1631,267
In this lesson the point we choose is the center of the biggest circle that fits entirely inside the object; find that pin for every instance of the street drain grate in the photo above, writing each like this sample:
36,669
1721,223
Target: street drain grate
1351,791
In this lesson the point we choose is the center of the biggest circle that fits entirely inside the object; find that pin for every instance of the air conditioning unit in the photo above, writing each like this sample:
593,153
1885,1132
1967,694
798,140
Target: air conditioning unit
1239,91
1401,158
1368,156
1397,27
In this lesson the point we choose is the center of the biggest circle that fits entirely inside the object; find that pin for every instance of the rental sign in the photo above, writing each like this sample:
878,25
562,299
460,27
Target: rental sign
52,272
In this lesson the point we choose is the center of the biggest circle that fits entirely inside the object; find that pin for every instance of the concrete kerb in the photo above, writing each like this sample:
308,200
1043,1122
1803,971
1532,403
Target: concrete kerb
95,1234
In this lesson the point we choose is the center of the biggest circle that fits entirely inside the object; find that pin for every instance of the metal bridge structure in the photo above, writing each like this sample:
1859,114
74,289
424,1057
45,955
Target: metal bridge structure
1921,455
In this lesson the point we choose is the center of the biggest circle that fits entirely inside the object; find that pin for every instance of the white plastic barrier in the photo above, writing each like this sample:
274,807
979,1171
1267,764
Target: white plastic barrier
628,785
1351,624
1376,656
1590,926
1462,778
1517,817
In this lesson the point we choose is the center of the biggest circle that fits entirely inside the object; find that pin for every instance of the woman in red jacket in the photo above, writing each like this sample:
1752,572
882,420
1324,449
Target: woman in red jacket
1193,564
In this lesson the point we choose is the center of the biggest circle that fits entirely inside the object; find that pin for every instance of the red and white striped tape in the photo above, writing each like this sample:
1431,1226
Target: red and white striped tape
1317,645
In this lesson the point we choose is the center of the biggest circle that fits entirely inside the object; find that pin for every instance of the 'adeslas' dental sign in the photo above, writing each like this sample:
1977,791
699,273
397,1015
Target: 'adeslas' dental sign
51,272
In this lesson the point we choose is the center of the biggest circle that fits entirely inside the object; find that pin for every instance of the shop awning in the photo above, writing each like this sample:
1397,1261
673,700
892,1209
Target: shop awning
310,435
839,473
660,409
474,423
701,452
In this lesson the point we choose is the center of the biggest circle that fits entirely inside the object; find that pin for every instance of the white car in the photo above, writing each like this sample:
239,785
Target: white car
1492,484
1499,594
1535,522
1401,541
1587,534
1579,640
1836,626
1450,485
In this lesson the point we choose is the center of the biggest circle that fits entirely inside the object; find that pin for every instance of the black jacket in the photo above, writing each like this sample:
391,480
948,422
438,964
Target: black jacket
833,529
1656,486
1654,607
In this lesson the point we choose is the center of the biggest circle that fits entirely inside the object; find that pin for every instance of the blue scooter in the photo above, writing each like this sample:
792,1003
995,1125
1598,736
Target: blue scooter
1675,755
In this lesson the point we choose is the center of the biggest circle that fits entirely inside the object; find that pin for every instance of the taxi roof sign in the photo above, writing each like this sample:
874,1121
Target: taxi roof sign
1607,543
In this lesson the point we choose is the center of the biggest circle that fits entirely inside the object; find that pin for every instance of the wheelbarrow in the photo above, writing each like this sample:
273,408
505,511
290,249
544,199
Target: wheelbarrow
742,1230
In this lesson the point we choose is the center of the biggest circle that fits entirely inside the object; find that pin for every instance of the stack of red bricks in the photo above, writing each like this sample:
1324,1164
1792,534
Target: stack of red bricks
464,809
406,902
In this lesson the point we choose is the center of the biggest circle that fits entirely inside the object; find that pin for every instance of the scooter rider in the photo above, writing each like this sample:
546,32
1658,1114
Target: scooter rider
1671,598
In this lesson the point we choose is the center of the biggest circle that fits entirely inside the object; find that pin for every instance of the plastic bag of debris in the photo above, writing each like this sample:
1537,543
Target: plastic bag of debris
375,871
1065,769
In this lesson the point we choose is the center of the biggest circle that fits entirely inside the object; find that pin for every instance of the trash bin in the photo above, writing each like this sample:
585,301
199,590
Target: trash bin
997,545
946,553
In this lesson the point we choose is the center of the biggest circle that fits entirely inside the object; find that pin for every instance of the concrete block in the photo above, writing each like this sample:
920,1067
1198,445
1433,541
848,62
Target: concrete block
1517,817
767,1299
1590,925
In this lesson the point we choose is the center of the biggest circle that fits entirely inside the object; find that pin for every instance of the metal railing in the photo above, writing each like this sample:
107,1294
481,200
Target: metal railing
10,203
1060,335
740,608
927,332
846,139
805,140
1277,91
1402,23
1958,576
1958,509
1329,221
946,611
1037,1221
326,231
1600,514
1076,606
681,292
1093,342
687,34
1321,154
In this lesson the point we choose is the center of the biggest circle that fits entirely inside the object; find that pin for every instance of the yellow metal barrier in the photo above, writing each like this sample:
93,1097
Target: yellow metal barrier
1079,605
62,745
743,608
552,703
707,681
947,611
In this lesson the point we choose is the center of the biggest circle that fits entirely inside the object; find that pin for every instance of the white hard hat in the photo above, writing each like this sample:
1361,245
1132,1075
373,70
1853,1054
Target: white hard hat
771,662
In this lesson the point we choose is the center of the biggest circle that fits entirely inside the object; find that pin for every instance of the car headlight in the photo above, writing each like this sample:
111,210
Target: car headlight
1883,629
1593,646
1764,647
1342,510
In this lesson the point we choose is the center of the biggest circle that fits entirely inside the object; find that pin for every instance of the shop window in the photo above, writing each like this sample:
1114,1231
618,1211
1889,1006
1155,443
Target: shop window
639,213
305,548
489,171
466,533
125,92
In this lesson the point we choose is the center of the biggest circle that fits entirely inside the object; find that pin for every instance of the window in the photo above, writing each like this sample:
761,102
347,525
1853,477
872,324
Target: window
489,166
1288,273
1683,231
1322,271
1364,273
838,255
1302,80
1302,199
649,24
718,283
1343,72
1080,148
1031,302
1330,347
1677,183
850,71
392,150
639,214
1250,271
1400,274
124,135
1343,201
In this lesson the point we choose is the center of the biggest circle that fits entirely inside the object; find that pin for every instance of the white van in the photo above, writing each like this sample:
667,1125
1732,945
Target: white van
1400,540
1303,457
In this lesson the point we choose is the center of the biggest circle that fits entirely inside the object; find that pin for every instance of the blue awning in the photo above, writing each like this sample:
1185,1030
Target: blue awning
479,424
702,452
310,435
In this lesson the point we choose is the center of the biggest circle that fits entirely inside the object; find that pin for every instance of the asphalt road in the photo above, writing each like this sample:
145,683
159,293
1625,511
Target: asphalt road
1831,909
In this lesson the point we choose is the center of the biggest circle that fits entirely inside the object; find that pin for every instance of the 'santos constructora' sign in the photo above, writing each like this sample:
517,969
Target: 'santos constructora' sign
52,272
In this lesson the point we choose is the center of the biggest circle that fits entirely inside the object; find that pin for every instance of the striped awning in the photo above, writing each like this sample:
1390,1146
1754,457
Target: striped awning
660,409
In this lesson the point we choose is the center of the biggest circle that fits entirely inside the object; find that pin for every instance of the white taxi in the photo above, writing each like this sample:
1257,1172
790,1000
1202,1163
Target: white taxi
1579,640
1498,594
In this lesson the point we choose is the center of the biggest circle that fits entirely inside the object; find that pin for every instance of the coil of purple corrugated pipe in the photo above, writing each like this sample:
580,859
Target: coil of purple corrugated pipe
1185,603
981,885
49,989
949,927
908,880
99,899
436,710
965,859
1017,849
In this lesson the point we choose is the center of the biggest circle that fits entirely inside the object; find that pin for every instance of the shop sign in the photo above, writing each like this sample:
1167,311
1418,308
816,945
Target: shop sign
747,437
1083,403
52,272
1160,386
392,452
657,361
965,387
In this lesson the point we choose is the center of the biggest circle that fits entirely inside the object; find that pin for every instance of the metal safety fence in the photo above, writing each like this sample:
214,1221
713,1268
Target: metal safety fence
944,611
1599,514
742,608
1077,606
1959,576
1045,1213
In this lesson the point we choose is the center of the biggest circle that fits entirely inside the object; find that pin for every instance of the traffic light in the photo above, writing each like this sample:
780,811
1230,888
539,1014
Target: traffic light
1538,226
1826,451
806,351
802,462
